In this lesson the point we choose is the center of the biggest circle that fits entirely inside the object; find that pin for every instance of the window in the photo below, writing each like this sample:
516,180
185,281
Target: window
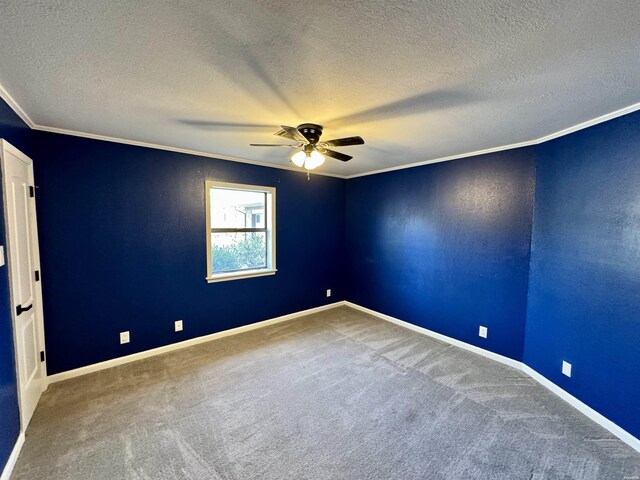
240,231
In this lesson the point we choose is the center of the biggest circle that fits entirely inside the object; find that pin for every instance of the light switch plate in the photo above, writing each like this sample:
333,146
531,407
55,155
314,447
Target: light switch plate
483,332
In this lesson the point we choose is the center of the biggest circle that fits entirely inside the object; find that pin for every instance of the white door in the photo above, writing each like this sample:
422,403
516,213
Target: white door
23,262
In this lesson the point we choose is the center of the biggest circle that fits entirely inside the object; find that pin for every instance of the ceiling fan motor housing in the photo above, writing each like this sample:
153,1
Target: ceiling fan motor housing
311,132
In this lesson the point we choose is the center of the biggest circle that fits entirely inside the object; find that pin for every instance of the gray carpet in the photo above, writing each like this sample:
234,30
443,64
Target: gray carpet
335,395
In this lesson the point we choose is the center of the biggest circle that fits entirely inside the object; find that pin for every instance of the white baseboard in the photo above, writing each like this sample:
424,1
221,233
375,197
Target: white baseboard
619,432
58,377
13,458
467,346
601,420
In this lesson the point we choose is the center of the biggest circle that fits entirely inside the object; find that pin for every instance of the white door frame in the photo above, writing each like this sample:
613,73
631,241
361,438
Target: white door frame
7,147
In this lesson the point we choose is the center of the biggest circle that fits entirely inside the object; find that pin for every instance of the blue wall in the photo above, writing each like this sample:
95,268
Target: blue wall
584,296
446,246
122,236
16,132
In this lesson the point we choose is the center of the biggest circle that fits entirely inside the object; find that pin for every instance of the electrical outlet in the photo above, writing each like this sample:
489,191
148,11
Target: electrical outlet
484,331
328,292
124,337
566,368
178,325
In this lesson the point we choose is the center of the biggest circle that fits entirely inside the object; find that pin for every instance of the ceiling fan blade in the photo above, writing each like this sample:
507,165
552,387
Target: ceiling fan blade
333,154
292,133
343,142
273,145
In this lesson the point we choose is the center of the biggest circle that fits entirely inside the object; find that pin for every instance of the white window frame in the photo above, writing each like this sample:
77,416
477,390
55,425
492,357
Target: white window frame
271,233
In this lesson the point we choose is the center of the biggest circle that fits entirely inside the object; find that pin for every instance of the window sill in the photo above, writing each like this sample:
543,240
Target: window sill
223,277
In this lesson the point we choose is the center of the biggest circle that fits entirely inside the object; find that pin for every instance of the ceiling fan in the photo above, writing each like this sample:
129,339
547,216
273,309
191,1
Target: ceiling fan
313,150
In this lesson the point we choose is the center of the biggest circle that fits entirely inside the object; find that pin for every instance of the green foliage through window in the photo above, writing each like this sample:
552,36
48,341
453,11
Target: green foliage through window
238,251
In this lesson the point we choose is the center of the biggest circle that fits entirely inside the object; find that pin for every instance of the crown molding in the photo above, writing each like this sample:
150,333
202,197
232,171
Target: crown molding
551,136
4,94
186,151
15,107
475,153
589,123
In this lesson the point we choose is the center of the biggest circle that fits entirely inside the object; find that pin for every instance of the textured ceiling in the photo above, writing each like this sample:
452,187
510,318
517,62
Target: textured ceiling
418,80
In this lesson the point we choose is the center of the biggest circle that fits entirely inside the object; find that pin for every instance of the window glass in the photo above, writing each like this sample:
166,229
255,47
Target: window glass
235,208
241,234
238,251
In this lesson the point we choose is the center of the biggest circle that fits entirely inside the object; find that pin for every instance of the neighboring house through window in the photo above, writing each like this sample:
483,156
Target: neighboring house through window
240,231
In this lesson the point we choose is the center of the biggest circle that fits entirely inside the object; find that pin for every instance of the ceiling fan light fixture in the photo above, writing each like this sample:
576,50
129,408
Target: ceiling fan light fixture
299,158
307,136
307,160
314,160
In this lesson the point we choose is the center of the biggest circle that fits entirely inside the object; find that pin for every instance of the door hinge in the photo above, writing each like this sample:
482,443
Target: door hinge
42,356
37,275
32,191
